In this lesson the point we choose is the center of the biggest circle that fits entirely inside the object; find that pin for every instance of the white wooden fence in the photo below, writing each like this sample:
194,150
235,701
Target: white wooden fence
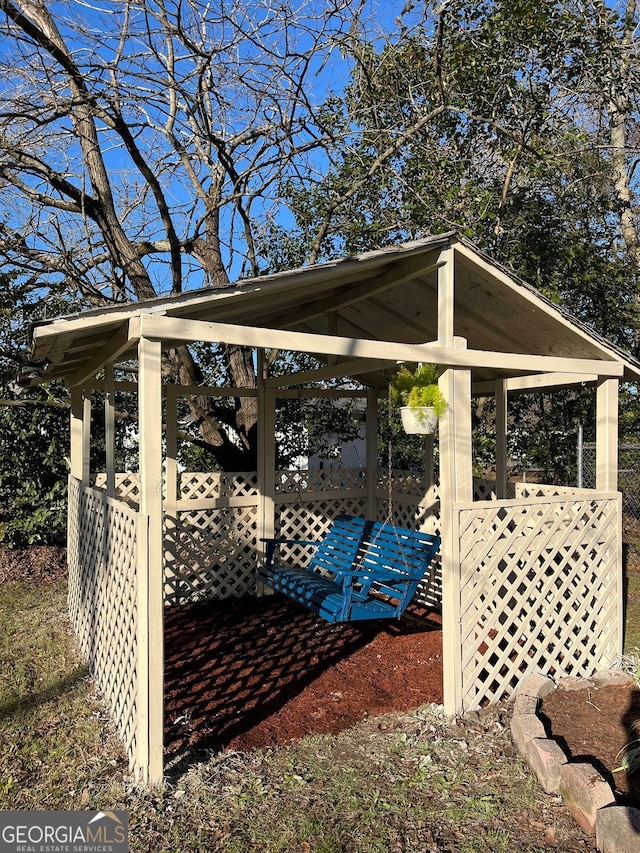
103,546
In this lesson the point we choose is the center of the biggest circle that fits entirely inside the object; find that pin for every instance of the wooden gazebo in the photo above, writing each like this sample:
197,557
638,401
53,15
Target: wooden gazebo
531,581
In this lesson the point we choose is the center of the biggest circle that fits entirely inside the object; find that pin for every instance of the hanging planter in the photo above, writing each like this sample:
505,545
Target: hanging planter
419,420
419,399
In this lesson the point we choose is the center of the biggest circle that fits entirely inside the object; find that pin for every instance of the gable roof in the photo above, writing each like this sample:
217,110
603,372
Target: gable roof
387,295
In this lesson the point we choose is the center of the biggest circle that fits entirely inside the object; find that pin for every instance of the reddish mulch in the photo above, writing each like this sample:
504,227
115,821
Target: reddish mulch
595,725
257,673
35,564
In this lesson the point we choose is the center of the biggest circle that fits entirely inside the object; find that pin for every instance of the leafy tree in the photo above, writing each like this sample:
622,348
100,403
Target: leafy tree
140,148
516,124
494,118
148,147
34,432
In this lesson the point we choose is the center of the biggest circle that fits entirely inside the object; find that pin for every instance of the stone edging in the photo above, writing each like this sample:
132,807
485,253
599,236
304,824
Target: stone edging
589,797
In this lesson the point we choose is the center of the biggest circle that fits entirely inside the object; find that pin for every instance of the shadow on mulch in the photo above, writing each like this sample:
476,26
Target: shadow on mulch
261,672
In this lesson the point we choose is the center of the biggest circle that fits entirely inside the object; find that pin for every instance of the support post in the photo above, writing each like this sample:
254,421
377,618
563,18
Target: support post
607,435
109,429
607,477
77,433
429,523
86,438
266,457
580,457
446,298
456,485
501,440
150,566
171,469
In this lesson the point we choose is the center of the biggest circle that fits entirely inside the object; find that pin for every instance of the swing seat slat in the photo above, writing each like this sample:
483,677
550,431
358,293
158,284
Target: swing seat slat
360,570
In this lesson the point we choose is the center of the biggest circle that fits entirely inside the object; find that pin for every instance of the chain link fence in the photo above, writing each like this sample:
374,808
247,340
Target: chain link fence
628,474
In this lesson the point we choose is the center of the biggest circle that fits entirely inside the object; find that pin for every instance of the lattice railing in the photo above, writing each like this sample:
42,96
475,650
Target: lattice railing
127,486
217,484
210,553
539,590
211,541
102,556
541,490
319,480
211,544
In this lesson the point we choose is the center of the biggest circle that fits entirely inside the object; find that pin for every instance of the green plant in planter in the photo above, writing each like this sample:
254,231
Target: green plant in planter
631,752
418,389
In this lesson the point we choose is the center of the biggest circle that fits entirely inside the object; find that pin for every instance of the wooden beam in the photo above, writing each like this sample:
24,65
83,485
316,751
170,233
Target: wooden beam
110,430
77,433
320,393
173,329
114,347
171,462
537,382
456,486
446,298
501,439
429,522
266,458
86,439
350,367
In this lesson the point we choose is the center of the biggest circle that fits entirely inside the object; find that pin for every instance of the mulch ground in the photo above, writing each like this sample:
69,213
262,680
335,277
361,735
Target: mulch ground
596,726
257,673
36,564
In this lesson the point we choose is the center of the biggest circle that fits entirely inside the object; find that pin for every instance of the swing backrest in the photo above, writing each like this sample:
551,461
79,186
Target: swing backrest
360,570
378,553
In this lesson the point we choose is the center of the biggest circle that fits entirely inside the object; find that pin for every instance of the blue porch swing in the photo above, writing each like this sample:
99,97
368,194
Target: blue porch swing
360,570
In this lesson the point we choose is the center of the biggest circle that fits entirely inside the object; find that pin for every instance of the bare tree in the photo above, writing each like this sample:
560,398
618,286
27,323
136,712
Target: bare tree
142,145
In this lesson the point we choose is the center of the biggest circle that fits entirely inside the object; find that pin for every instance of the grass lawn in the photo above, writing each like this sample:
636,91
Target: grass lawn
632,598
406,782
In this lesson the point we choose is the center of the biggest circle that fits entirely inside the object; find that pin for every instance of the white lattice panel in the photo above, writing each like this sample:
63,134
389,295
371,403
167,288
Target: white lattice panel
539,586
102,599
218,484
484,490
211,550
540,490
210,554
127,486
403,482
320,479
